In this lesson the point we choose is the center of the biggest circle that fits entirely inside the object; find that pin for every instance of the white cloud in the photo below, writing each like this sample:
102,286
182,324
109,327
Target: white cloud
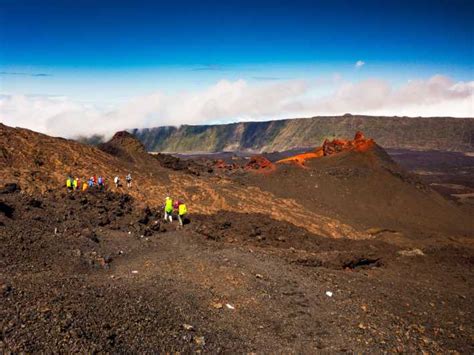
359,64
239,100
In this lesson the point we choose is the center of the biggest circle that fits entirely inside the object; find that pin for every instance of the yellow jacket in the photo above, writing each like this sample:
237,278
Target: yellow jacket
169,205
182,210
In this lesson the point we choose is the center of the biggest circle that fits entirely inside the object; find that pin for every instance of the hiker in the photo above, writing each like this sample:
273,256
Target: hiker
75,183
116,181
182,210
90,182
101,182
85,185
128,178
69,183
168,209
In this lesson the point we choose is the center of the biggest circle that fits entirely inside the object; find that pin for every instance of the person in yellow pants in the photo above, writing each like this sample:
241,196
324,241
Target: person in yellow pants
182,210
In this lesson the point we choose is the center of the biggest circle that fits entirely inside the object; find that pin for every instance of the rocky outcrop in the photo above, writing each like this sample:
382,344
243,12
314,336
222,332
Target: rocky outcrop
260,163
359,143
331,147
126,146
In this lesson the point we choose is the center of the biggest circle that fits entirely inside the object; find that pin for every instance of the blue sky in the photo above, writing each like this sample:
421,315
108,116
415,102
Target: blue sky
106,52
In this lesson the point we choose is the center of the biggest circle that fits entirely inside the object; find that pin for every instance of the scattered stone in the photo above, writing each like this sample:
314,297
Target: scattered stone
76,252
33,202
145,216
412,252
329,293
188,327
6,289
199,341
259,276
229,306
7,210
217,305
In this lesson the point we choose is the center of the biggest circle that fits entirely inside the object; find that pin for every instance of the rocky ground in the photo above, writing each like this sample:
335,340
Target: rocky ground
346,252
93,272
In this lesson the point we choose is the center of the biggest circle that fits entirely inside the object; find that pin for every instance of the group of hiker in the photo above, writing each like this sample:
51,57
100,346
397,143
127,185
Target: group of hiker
172,209
178,209
128,179
74,183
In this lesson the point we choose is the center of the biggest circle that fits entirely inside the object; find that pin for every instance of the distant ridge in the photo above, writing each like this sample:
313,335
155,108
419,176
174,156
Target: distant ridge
418,133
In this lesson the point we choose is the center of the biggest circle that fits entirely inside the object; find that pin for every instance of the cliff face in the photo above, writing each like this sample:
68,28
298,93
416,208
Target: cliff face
434,133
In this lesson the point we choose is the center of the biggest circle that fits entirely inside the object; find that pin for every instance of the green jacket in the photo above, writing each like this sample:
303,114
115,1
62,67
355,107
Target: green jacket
169,206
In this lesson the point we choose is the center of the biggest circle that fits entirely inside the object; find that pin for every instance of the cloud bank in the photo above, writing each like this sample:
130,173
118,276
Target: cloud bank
239,100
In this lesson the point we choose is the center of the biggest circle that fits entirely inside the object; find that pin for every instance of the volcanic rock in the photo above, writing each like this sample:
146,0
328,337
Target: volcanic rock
10,188
359,144
259,163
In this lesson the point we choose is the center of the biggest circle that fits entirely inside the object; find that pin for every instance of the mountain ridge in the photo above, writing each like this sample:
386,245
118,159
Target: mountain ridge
416,133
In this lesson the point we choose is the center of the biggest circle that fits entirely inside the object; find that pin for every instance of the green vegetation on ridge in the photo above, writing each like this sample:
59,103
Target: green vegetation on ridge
419,133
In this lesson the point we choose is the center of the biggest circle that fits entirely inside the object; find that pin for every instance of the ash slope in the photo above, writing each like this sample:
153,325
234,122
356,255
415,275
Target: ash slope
417,133
368,190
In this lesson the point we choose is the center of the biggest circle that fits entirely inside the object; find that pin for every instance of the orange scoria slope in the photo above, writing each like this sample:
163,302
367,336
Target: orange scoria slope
359,144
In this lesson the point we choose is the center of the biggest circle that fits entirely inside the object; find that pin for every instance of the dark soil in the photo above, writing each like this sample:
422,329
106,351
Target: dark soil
92,272
195,167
